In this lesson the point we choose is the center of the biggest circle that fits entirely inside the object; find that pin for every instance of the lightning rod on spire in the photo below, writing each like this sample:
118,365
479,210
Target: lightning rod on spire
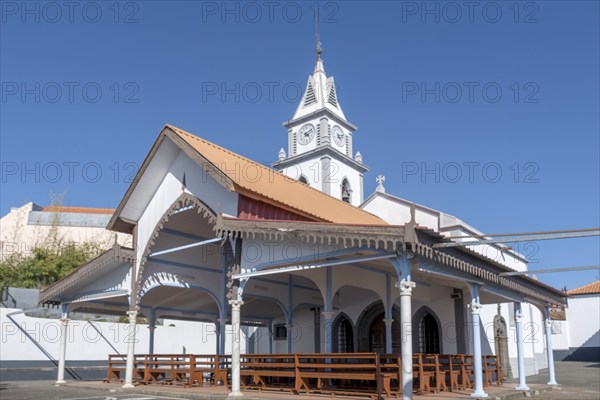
319,48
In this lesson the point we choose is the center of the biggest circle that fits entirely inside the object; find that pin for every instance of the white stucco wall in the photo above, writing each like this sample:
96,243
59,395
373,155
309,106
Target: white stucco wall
396,211
583,316
37,339
313,171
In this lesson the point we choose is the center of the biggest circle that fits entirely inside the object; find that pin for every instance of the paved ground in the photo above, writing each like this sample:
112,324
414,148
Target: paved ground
44,390
579,381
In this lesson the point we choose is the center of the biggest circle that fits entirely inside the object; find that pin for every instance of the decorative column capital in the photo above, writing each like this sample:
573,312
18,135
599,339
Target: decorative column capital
476,308
388,321
328,315
132,314
518,318
405,287
548,323
236,304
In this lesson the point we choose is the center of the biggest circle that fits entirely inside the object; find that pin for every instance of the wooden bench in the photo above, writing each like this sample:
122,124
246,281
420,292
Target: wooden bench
267,370
342,373
432,365
216,367
452,364
422,377
166,368
492,370
117,365
392,364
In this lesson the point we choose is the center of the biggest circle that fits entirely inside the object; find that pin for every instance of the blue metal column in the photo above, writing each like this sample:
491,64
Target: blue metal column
289,324
151,329
328,312
222,335
388,321
521,357
270,330
475,311
549,349
226,252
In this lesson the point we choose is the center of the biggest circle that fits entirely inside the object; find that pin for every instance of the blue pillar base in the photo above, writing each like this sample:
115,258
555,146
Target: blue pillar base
553,383
479,395
519,387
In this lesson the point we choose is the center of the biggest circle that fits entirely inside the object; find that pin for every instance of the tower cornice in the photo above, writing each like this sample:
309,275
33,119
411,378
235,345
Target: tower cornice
317,153
322,112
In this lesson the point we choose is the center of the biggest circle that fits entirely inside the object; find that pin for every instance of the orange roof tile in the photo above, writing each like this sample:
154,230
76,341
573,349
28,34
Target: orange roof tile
258,181
590,288
81,210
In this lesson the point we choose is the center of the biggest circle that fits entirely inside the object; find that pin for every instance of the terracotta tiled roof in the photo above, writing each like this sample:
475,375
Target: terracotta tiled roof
80,210
257,181
590,288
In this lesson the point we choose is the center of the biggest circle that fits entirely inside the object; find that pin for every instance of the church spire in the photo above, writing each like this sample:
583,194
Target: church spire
319,49
319,63
320,92
319,135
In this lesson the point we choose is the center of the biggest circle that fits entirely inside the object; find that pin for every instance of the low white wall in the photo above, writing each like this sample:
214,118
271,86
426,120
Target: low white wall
25,338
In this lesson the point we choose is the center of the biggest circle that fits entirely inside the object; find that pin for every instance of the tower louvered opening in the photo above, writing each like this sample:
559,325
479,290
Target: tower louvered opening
310,97
332,97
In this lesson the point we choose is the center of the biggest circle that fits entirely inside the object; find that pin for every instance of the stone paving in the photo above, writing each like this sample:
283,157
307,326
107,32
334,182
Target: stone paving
579,381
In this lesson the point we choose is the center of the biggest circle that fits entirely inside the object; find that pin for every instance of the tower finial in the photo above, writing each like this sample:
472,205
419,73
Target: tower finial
318,44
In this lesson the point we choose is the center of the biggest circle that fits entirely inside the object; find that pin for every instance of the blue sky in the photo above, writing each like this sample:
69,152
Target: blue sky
489,112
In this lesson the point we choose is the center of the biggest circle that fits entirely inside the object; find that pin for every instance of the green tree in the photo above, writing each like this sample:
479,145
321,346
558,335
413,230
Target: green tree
46,264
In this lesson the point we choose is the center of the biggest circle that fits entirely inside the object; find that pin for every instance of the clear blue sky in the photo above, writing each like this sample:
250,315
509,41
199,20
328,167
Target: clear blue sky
502,87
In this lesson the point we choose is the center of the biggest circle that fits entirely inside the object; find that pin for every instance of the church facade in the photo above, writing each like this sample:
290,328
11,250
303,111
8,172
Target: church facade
298,260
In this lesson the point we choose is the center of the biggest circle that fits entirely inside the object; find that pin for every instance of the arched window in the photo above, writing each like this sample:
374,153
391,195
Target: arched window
302,179
429,339
345,338
346,191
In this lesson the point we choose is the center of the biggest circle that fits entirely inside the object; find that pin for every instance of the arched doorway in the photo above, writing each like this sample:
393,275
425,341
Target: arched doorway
501,343
346,191
371,330
343,335
427,327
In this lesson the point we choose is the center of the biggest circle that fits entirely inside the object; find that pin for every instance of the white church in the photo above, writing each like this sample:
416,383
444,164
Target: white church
302,261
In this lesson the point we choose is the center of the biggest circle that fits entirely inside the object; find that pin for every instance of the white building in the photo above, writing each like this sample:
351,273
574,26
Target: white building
222,239
578,336
30,226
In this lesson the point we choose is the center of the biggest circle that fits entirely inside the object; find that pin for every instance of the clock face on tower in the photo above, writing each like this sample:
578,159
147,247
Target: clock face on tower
338,135
306,134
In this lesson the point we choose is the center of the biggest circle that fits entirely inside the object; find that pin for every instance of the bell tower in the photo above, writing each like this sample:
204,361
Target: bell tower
320,142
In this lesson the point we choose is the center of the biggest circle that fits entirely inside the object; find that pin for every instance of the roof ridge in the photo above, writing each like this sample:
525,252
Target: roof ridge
268,169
